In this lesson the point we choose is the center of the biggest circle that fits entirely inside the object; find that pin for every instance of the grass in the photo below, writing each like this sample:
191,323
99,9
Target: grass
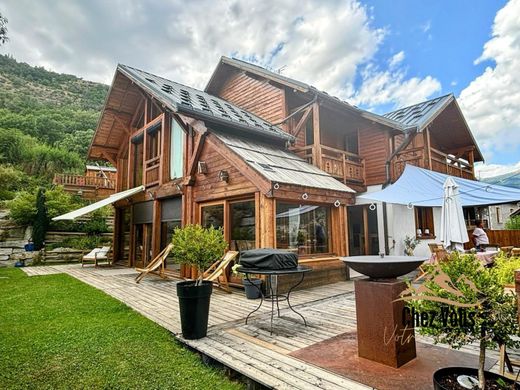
59,333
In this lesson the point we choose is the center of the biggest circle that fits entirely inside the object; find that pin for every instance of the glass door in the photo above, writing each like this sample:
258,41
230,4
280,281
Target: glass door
363,232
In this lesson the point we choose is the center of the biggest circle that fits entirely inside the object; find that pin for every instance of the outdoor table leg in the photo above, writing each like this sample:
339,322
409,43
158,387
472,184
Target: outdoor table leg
261,298
289,302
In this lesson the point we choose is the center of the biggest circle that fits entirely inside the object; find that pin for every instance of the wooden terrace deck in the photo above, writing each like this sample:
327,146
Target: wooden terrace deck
247,349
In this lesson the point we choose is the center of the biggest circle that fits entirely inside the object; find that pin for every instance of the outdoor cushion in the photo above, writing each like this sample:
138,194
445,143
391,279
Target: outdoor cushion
267,258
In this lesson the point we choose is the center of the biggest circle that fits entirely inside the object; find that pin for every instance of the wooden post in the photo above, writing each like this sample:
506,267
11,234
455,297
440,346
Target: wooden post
316,151
164,167
427,148
156,228
471,160
267,222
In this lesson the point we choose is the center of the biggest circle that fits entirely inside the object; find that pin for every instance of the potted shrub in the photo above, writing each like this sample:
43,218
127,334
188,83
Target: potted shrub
196,246
252,286
410,243
469,305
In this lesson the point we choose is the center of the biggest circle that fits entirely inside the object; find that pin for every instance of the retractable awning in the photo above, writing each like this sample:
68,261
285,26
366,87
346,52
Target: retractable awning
97,205
422,187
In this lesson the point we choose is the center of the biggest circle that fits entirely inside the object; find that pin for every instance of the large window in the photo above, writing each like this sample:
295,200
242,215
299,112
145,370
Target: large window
176,151
424,222
303,228
213,216
243,225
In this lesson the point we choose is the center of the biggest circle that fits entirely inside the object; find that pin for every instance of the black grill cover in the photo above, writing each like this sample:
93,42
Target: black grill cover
267,258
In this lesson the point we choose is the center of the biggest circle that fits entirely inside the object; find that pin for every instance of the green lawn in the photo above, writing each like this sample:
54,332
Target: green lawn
57,332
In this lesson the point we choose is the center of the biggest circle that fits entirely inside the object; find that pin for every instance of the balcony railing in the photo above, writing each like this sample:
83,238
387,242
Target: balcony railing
81,181
151,172
440,162
345,166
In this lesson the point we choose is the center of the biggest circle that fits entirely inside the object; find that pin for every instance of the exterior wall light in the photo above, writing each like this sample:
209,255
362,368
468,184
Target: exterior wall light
223,176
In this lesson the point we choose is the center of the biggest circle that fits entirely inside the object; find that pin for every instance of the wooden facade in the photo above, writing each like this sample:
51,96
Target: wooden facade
192,175
214,182
95,184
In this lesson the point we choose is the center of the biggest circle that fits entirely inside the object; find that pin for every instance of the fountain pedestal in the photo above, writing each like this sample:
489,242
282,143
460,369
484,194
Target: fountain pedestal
381,332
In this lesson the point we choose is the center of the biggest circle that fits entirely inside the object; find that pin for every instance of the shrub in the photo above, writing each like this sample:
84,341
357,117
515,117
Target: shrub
505,268
513,223
196,246
463,281
22,209
41,222
82,243
12,180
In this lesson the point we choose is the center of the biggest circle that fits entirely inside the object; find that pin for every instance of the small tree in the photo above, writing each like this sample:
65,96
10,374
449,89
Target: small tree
41,221
3,30
196,246
513,223
461,288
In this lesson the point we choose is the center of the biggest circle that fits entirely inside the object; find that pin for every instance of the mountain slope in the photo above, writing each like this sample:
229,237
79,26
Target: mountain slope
56,109
511,179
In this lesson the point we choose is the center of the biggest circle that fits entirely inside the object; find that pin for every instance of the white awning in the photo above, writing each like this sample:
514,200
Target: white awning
94,206
422,187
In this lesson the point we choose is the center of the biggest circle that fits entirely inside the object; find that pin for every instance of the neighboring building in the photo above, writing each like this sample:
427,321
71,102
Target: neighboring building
96,183
273,161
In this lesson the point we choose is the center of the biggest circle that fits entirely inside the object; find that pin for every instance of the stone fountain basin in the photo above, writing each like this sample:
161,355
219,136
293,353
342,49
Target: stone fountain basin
388,267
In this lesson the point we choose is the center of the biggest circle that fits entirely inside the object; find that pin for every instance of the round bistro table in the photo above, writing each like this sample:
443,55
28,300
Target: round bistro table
272,288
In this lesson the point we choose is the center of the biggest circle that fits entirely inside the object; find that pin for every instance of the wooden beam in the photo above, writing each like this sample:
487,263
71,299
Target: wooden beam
365,229
427,148
316,151
302,122
197,150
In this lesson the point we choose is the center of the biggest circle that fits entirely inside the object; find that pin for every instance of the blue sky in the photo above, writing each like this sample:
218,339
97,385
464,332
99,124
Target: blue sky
439,38
376,54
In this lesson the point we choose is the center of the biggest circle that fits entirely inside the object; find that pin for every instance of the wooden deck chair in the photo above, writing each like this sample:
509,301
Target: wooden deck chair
154,264
217,272
433,248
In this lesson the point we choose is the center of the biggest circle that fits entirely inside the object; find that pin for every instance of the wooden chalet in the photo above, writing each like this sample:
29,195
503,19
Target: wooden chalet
204,160
96,183
273,161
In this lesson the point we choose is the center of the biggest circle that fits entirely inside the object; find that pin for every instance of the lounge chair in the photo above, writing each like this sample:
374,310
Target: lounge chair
438,252
217,272
96,255
154,264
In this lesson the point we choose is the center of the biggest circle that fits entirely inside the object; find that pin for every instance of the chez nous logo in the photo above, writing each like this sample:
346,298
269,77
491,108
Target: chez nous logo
456,313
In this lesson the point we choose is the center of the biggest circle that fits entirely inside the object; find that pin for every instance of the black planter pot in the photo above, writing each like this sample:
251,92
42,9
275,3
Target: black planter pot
194,308
447,371
252,288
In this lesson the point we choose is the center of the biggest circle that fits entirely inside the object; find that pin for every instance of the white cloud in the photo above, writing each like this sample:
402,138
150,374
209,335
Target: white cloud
483,171
491,102
383,87
396,59
327,44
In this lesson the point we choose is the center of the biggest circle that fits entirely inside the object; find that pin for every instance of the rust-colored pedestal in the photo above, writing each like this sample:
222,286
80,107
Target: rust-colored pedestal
382,336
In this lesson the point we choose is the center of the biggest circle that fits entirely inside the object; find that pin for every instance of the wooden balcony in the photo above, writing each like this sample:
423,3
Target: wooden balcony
437,161
151,171
88,187
344,166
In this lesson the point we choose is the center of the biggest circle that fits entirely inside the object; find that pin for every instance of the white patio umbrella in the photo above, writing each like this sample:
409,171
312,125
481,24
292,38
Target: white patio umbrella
453,228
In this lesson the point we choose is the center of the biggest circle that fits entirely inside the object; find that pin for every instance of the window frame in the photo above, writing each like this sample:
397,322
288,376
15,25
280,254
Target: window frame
329,252
428,224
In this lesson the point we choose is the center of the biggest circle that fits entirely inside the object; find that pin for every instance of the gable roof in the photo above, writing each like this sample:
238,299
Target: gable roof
420,114
202,105
302,87
280,165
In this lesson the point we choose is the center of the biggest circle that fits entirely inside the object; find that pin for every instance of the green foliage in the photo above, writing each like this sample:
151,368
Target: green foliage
3,30
410,243
494,316
41,221
196,246
11,181
95,225
22,209
60,333
83,243
513,223
504,268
